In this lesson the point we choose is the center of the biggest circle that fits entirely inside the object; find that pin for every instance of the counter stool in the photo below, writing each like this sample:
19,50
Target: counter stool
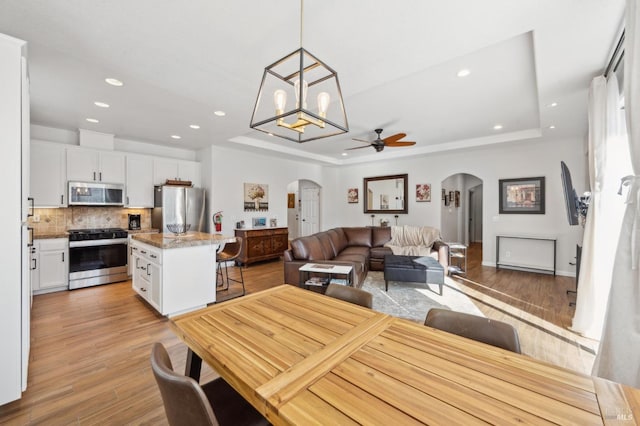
229,253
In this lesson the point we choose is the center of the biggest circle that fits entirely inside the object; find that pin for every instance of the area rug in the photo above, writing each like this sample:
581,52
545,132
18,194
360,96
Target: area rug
412,301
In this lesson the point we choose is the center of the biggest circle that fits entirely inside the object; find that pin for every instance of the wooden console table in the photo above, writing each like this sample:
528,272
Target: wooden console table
262,244
526,237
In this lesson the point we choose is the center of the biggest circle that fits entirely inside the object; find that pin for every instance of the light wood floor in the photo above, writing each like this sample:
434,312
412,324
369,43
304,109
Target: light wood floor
90,347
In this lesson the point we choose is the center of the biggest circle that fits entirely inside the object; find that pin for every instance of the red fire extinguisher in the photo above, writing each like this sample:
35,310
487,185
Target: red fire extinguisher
217,221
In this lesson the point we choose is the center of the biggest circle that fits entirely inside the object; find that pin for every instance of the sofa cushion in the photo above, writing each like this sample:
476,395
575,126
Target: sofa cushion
379,252
358,260
327,246
338,239
358,236
308,248
380,235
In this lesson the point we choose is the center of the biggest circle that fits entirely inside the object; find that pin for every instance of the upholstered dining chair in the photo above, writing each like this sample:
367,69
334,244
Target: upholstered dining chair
350,294
495,333
229,253
186,403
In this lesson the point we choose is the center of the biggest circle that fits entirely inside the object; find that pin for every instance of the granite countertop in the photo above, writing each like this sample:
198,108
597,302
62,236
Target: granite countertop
46,235
143,231
191,239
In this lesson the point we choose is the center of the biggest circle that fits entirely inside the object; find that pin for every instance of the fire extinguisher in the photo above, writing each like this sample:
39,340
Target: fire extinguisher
217,221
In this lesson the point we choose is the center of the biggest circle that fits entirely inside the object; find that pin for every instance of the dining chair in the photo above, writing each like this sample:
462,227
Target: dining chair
229,253
350,294
495,333
187,403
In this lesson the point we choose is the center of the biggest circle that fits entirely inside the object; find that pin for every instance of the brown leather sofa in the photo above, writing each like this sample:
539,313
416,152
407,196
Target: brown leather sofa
359,247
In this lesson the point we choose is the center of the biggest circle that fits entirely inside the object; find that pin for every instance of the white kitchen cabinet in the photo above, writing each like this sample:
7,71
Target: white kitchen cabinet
174,280
166,168
50,265
48,174
89,165
139,181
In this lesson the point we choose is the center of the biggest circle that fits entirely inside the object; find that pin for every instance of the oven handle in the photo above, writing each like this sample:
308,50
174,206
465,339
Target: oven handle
92,243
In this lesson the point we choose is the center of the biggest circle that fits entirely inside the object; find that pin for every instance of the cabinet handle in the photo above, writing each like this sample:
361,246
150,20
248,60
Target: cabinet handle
30,231
62,199
148,264
34,264
100,174
31,201
143,252
63,256
134,248
143,289
153,256
127,200
94,175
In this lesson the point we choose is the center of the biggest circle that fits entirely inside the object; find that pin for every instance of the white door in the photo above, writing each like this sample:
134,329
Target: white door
475,214
309,211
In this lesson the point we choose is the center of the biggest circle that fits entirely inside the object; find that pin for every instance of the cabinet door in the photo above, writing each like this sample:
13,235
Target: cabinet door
137,282
189,170
164,169
279,244
53,269
154,277
35,267
48,187
139,181
82,164
111,167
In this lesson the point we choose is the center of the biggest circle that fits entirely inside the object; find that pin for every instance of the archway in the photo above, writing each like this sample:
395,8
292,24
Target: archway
461,216
303,208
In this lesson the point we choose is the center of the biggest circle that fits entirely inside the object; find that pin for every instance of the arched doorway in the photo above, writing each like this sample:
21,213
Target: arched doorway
461,216
303,215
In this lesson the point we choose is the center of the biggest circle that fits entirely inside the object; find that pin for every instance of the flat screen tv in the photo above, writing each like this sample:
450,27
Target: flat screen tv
575,205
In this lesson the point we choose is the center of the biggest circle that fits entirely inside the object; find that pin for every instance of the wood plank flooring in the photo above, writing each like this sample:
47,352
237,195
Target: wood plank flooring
90,347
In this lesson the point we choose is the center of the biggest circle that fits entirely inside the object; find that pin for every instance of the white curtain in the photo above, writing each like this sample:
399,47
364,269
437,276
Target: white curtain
618,358
589,314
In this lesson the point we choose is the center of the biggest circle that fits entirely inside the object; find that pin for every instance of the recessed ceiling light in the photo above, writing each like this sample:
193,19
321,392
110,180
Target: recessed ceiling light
194,126
344,154
497,127
553,104
92,120
463,72
552,127
101,104
114,82
220,113
176,137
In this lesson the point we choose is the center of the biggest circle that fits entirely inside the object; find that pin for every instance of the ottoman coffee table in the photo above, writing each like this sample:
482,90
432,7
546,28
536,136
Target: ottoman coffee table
416,269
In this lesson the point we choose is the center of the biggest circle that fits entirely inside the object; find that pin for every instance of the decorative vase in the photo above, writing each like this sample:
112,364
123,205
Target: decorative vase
257,203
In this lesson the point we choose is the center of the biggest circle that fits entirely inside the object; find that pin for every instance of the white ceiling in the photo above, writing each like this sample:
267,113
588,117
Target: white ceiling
396,61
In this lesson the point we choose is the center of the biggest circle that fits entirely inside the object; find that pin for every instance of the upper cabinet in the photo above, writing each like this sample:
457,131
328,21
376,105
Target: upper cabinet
48,174
139,181
88,165
166,168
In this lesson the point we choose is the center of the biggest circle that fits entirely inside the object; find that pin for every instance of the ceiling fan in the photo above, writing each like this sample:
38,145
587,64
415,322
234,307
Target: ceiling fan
390,141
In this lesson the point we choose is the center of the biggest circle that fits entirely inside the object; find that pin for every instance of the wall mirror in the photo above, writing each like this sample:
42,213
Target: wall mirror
386,194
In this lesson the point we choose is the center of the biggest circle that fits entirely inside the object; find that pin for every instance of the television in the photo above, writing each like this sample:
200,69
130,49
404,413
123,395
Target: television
576,206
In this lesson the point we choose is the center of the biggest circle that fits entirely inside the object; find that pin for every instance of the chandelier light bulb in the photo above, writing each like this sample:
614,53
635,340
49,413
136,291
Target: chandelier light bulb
280,99
296,86
323,103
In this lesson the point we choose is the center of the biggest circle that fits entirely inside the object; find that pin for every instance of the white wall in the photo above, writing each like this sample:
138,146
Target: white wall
537,157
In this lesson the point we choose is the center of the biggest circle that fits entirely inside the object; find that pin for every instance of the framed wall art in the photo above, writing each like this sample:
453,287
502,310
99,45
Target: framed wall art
291,200
256,197
352,195
522,196
423,192
457,198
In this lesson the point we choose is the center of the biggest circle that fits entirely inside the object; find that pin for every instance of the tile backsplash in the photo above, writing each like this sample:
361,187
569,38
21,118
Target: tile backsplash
61,220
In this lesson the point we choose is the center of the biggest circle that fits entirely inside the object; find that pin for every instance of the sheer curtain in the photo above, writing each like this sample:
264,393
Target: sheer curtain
619,356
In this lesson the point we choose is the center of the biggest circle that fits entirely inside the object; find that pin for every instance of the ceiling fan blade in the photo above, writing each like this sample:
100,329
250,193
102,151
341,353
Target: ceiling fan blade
400,143
357,147
361,140
394,138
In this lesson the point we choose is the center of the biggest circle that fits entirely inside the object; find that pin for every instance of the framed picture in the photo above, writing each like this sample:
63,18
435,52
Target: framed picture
457,198
423,192
447,200
444,194
259,222
522,195
273,222
291,200
256,197
352,195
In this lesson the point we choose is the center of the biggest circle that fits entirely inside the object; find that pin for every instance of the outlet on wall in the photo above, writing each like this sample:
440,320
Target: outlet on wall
507,253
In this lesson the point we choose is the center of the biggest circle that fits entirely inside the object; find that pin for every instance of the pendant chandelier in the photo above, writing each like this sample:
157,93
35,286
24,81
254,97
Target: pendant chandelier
318,110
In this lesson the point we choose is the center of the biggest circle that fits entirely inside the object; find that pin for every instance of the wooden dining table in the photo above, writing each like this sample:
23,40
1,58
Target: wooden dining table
303,358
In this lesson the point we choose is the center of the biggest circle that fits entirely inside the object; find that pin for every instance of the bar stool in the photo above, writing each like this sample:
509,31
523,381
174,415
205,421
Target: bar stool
229,253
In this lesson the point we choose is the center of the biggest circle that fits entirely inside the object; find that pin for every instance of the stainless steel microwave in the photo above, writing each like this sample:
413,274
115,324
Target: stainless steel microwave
96,194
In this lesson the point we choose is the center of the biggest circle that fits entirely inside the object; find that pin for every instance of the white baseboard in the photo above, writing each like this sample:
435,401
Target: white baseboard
561,273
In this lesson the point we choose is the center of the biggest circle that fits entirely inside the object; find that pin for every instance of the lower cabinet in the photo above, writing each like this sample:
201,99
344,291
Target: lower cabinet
262,244
174,280
50,265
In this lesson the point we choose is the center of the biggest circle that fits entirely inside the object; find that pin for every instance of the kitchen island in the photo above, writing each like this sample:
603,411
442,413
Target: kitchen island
176,273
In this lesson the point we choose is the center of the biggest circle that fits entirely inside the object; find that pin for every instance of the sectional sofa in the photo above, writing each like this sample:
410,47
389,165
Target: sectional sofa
363,248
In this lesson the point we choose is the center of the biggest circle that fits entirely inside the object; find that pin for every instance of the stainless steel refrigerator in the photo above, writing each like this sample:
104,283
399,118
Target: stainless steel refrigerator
178,205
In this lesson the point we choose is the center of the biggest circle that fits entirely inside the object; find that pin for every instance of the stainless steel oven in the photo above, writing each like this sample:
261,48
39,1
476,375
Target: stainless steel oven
97,256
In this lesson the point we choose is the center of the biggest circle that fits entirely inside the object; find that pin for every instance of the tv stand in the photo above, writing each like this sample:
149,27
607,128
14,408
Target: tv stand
578,256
